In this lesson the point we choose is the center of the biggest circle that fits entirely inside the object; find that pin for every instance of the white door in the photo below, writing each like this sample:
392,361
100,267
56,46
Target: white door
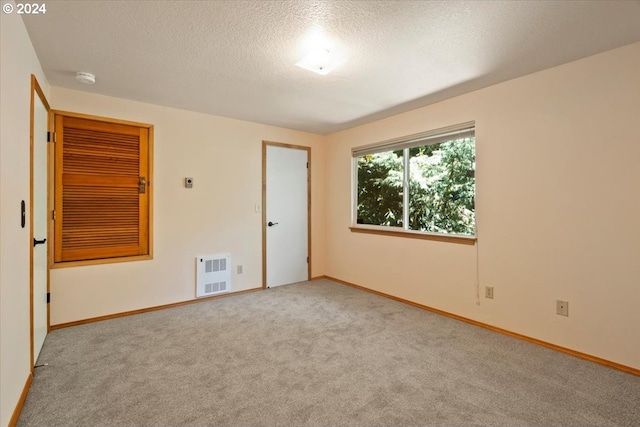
40,219
286,215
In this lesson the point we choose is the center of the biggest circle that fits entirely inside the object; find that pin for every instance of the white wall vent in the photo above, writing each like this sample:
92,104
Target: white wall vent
213,274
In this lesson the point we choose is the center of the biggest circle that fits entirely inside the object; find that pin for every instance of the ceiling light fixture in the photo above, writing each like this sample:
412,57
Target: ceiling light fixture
86,78
320,61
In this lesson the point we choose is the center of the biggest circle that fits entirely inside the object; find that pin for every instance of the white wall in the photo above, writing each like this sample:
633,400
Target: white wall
18,61
558,208
224,157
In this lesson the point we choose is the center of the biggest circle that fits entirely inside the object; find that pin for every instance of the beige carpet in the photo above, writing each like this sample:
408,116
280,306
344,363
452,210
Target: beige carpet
314,354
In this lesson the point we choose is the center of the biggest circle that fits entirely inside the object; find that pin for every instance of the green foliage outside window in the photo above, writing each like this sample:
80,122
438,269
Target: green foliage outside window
441,185
380,189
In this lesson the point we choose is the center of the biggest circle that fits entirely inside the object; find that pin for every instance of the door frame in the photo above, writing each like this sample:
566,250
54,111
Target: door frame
37,90
265,144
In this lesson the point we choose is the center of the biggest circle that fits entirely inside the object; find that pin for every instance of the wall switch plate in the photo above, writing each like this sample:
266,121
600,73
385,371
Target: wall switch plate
258,208
562,308
488,292
239,269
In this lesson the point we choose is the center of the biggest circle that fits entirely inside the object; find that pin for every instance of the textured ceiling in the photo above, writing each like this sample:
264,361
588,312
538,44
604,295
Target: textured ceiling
236,58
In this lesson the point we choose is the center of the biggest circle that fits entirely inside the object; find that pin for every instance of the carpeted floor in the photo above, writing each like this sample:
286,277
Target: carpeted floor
314,354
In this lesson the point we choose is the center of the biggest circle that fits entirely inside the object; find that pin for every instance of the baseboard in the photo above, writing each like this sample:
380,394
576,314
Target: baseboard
154,308
608,363
148,309
23,396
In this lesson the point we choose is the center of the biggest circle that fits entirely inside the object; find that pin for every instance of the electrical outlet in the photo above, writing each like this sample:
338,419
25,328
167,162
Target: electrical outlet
239,269
562,308
488,292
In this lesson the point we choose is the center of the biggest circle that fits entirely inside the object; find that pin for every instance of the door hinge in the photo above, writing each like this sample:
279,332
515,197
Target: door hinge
48,136
307,260
48,297
53,214
307,165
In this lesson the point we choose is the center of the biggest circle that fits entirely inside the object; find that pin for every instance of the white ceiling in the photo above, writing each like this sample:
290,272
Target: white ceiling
236,58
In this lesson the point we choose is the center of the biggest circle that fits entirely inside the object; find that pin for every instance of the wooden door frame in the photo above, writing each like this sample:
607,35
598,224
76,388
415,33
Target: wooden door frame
37,90
265,144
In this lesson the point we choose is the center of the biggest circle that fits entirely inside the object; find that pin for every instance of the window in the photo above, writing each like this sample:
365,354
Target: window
102,189
423,183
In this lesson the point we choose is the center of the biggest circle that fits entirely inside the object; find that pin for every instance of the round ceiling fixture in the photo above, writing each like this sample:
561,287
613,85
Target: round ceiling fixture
86,78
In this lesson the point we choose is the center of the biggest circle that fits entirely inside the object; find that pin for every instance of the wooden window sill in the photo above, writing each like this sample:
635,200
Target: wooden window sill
66,264
389,231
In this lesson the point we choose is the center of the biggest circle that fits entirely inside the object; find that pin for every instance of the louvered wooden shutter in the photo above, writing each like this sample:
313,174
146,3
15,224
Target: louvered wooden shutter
100,209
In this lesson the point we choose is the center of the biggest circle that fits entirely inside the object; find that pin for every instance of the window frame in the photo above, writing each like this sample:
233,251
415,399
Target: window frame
404,143
148,231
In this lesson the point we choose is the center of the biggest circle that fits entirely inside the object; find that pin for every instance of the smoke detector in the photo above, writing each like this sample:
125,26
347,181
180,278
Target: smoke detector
86,78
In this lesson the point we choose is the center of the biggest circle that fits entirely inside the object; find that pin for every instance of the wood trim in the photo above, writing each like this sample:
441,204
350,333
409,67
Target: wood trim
149,309
102,119
284,145
67,264
464,240
150,186
578,354
103,126
264,205
23,396
145,232
36,86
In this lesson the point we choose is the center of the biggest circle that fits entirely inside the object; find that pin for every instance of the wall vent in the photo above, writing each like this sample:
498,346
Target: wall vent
213,274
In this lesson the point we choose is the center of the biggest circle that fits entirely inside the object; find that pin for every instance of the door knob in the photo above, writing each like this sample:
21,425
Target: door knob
38,242
271,224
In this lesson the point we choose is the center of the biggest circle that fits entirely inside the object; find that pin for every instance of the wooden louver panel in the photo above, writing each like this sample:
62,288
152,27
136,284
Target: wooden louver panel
92,152
103,214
